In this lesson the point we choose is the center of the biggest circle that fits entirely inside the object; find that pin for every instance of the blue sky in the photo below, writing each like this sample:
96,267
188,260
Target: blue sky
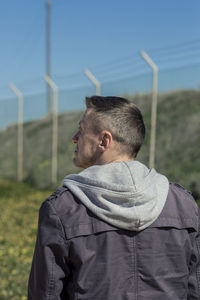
87,33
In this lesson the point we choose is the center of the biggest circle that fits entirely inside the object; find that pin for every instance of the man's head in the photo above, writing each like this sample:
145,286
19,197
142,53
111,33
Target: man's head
112,129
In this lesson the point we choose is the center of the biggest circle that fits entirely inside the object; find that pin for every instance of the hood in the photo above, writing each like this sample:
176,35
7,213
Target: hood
126,195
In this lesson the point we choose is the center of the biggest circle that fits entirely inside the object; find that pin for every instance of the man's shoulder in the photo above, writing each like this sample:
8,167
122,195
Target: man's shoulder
180,210
68,208
62,201
75,217
181,194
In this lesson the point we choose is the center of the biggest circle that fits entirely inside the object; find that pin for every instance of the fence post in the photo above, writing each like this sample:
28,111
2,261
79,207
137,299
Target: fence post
55,128
94,80
19,133
153,108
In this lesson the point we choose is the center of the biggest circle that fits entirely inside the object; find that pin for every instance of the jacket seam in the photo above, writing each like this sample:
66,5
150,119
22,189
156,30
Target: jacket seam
175,218
136,277
134,259
129,172
198,268
51,281
108,189
60,228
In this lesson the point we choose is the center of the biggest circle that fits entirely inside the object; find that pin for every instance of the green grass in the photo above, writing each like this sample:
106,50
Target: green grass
19,206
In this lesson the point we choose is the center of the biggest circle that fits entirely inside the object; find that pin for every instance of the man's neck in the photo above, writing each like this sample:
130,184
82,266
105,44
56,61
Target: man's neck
107,160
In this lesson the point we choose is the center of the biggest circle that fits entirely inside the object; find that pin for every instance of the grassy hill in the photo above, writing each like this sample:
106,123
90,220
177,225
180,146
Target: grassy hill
177,145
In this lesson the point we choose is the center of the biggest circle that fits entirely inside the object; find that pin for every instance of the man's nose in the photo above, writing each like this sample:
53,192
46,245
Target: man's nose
75,139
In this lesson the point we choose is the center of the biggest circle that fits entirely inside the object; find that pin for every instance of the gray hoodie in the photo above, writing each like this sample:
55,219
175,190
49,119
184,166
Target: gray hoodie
127,195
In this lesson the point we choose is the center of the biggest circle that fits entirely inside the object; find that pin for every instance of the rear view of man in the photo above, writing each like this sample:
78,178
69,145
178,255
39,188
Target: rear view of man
117,230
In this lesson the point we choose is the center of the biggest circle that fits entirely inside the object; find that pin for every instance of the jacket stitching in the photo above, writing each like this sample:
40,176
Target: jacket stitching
198,250
129,172
132,258
109,188
134,261
51,281
135,267
60,225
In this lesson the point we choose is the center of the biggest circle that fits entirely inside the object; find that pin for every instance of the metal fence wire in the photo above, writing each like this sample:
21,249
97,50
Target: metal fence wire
35,143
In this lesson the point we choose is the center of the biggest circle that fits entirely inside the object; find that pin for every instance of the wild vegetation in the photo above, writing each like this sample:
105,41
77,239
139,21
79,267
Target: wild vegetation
19,204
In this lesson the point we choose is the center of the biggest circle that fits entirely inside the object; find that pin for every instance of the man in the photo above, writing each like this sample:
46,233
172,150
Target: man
116,230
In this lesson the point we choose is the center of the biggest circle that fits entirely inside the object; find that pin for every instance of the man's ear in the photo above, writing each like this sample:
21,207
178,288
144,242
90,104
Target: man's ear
105,140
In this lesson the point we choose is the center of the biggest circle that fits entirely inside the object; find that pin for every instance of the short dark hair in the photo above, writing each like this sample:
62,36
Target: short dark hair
122,118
